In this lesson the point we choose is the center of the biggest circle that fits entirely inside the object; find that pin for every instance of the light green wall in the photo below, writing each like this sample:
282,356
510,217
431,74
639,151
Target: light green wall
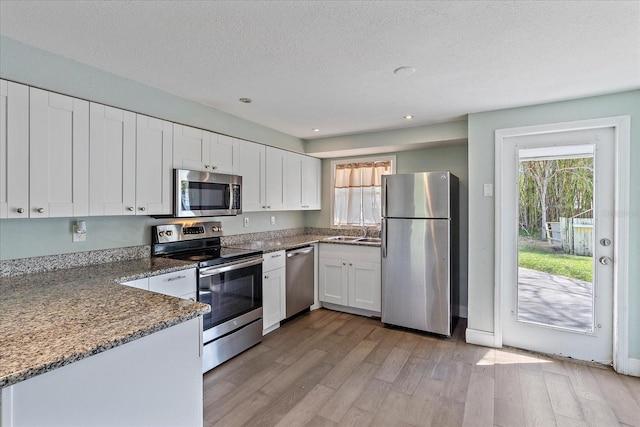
37,237
453,158
482,128
25,238
403,139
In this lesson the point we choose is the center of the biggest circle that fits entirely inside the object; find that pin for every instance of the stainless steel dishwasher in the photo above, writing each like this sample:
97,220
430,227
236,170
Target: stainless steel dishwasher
299,280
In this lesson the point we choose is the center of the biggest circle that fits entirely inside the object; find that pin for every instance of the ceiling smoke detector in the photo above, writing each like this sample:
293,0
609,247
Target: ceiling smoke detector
245,100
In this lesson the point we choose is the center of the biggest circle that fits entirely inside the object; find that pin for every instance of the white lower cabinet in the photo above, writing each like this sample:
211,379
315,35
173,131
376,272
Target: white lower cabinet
273,290
349,276
181,284
155,380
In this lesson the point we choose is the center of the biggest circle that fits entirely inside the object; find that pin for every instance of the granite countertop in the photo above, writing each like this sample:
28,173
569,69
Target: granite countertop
293,242
52,319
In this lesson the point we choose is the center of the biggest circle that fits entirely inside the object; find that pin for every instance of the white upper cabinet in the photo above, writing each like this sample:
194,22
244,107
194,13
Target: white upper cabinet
59,155
274,176
14,150
311,180
112,161
302,182
201,150
252,169
224,153
190,148
263,177
154,180
293,181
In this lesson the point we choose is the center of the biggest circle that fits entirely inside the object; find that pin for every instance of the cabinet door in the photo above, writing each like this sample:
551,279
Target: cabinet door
311,178
252,170
224,153
112,161
59,155
274,176
364,285
175,284
293,181
14,150
333,277
273,295
154,180
191,148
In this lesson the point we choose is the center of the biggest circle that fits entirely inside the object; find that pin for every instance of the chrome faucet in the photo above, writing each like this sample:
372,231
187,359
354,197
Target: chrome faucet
364,231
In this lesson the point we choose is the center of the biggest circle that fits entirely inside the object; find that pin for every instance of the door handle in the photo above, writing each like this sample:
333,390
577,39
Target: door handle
604,260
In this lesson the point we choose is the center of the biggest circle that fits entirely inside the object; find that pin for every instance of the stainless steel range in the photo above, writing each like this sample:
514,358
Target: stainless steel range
230,280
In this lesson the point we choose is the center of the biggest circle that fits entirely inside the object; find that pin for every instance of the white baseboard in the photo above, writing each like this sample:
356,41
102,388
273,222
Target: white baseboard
633,367
474,336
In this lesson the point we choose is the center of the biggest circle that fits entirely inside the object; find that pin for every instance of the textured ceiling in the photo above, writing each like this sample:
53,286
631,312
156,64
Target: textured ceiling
329,64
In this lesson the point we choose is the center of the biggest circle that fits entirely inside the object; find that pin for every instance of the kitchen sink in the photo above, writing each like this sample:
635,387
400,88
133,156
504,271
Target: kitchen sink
368,240
343,238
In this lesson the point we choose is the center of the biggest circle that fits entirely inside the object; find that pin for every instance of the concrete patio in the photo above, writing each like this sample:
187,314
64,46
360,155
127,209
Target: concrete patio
554,300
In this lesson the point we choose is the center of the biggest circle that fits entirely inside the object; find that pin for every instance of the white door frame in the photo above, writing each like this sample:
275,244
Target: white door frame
622,129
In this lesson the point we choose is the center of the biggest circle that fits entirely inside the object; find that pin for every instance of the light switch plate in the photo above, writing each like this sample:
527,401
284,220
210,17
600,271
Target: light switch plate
246,221
273,220
488,190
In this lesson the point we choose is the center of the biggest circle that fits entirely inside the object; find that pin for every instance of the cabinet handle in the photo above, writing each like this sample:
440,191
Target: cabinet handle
350,264
215,168
266,276
276,255
206,166
20,210
142,208
268,207
344,263
130,208
176,278
264,207
40,210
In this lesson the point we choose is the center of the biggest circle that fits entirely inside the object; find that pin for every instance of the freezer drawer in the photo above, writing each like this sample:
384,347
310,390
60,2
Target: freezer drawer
416,285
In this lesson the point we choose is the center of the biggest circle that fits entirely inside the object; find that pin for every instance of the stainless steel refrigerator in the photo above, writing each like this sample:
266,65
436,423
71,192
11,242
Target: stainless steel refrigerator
420,251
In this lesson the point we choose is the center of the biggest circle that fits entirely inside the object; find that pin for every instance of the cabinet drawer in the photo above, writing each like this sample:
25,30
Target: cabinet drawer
175,284
274,260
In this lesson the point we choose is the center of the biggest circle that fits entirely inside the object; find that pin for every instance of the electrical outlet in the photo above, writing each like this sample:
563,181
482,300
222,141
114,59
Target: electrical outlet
246,221
273,220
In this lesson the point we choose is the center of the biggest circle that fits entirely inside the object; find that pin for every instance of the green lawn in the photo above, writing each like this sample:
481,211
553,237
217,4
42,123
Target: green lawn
577,267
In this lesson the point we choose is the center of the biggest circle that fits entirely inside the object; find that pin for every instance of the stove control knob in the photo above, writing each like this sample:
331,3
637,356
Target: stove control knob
169,233
161,233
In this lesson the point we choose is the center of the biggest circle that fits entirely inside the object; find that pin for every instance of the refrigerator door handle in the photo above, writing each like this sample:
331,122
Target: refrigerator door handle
383,233
383,196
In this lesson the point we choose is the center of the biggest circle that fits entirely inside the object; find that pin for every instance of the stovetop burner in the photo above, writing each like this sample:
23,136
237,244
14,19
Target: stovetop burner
196,242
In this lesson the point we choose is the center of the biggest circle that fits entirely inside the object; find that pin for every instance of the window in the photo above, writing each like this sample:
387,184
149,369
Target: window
357,188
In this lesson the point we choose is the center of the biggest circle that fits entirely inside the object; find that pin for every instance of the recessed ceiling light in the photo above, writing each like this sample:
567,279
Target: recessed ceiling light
408,117
404,71
245,100
315,130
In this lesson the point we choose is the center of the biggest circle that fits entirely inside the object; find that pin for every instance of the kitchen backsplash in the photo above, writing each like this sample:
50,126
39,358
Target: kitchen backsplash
22,266
17,267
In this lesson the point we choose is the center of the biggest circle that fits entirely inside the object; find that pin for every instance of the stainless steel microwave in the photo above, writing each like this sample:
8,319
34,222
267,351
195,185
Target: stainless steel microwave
199,193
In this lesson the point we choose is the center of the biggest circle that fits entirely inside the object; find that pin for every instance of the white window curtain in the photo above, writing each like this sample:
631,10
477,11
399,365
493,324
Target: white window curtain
357,189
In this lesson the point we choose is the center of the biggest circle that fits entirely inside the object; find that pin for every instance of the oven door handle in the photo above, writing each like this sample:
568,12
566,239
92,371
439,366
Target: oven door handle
210,271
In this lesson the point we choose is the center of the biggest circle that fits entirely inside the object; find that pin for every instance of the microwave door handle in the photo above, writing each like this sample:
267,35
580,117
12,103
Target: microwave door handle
227,197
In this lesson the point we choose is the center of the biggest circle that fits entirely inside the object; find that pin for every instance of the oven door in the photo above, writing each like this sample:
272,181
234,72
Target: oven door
231,290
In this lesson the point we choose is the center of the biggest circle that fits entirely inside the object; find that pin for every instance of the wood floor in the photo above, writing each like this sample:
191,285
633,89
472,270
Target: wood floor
327,368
